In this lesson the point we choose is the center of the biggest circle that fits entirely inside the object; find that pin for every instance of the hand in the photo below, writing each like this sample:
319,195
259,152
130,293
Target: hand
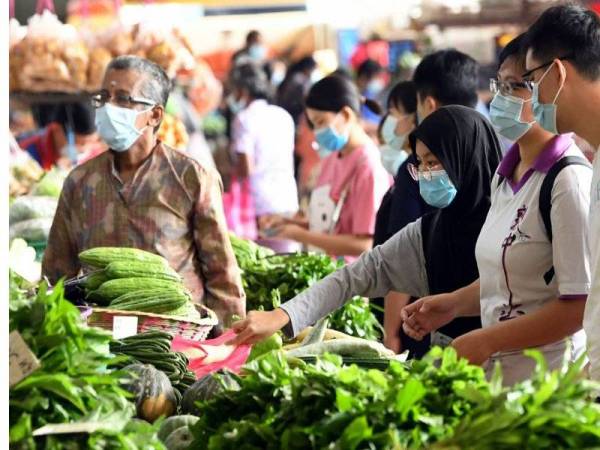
289,231
270,221
474,346
428,314
258,325
394,343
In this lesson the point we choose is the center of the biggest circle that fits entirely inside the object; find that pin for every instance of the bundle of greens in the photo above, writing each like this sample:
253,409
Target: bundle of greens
271,279
74,382
551,410
439,402
328,405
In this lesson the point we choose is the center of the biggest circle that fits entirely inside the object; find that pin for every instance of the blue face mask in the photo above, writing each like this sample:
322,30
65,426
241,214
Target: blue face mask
235,106
374,87
505,115
545,113
257,52
392,159
116,126
439,191
388,132
330,140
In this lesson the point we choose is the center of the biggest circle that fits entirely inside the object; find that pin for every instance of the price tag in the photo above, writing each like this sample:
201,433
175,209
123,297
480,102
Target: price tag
124,326
21,359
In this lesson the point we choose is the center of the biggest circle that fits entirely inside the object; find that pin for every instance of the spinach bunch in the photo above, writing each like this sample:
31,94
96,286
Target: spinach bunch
270,280
328,405
439,402
551,410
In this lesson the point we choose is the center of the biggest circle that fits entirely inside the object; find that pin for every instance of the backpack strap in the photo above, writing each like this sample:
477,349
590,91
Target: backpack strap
545,199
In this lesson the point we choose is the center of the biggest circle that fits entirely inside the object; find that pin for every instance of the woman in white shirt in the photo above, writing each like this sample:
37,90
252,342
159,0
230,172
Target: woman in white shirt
533,285
263,142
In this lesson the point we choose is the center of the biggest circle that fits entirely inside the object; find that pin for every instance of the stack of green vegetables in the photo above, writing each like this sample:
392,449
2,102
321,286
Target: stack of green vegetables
74,382
271,279
130,279
154,347
439,402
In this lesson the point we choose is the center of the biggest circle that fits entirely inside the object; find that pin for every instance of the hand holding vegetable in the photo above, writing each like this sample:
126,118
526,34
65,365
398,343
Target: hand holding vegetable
258,325
428,314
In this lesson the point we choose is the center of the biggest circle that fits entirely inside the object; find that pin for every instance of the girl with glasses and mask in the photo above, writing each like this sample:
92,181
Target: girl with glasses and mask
457,152
352,180
532,253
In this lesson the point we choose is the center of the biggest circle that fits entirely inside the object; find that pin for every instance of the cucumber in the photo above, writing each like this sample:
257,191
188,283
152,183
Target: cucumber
101,257
129,269
112,289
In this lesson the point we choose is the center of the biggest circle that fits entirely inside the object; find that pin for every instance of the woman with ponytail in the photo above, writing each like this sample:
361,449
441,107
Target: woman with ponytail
352,182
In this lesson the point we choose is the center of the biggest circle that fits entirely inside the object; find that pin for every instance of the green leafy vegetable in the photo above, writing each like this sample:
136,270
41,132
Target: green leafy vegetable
271,279
439,402
74,382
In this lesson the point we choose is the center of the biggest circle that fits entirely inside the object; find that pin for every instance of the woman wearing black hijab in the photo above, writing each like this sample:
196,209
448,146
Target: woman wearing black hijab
458,153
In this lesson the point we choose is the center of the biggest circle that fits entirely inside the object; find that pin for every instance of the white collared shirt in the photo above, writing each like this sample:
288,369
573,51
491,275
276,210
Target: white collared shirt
514,253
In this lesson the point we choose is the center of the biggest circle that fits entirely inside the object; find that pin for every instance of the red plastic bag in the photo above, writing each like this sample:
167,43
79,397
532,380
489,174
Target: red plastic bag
233,362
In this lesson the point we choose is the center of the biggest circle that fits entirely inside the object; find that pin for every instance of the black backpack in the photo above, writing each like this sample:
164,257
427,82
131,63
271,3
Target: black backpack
545,199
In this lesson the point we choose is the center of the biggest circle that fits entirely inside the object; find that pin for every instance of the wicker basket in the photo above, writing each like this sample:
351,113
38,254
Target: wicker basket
194,329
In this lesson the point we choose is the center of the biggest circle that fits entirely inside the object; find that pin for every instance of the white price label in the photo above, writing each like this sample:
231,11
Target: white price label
124,326
21,359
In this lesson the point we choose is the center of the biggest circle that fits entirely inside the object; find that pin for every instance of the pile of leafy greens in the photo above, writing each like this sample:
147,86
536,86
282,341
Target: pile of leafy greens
270,279
438,402
74,382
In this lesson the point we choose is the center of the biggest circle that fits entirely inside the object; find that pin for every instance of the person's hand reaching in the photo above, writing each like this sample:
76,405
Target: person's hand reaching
428,314
258,325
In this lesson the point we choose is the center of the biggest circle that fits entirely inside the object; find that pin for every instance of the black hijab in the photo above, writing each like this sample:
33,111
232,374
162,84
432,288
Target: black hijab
468,149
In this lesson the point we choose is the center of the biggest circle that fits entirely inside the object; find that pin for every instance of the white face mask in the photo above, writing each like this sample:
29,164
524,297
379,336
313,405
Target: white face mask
392,159
116,126
388,132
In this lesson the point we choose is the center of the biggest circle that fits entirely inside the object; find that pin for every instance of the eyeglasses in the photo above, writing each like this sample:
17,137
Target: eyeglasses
427,174
509,87
527,75
99,99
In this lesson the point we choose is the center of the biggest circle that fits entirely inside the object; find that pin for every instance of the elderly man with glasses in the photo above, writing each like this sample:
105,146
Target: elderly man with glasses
146,195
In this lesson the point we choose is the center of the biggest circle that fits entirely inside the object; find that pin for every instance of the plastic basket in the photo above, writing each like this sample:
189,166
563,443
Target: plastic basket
193,329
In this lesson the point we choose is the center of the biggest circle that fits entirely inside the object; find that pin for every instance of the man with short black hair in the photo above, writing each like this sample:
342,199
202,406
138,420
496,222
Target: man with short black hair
563,66
446,77
146,195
